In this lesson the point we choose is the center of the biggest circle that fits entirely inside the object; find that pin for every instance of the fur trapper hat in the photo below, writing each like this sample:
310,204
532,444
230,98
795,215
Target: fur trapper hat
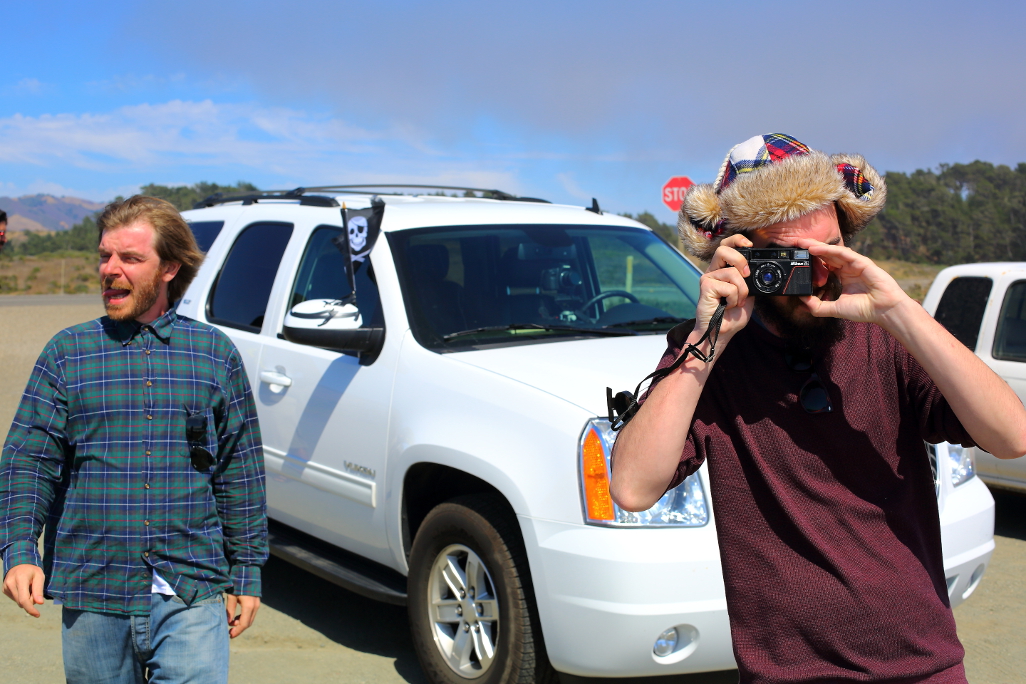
772,178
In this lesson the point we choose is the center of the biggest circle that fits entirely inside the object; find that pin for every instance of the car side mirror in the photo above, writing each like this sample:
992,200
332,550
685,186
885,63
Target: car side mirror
331,324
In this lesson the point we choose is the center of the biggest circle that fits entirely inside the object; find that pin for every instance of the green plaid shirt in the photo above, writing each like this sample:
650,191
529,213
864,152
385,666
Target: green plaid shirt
98,454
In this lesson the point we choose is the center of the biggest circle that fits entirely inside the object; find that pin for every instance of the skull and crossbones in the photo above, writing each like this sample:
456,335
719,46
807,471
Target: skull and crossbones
357,233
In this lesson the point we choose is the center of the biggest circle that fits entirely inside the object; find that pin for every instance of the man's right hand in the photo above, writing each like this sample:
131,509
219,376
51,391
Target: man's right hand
725,279
24,586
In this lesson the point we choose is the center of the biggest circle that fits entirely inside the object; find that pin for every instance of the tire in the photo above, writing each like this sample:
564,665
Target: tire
491,634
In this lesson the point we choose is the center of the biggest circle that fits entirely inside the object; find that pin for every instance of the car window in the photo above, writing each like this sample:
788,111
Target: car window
522,283
322,276
206,232
961,308
623,267
1010,340
240,294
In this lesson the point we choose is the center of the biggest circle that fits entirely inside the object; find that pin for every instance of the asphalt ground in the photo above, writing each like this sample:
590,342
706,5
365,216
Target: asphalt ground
309,630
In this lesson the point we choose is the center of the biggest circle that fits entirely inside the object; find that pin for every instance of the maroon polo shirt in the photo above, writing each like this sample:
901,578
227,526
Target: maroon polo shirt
828,527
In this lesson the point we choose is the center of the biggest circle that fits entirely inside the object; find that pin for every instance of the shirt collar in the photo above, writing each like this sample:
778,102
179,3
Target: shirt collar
126,331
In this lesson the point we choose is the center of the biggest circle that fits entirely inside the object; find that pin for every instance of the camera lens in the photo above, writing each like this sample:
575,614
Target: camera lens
767,277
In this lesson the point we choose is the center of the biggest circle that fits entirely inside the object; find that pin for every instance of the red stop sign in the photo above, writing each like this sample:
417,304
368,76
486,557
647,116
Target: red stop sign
674,190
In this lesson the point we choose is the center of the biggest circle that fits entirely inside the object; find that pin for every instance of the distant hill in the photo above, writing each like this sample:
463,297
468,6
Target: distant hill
46,212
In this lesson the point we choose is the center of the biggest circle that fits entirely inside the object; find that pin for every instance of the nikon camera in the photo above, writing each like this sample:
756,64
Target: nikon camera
778,271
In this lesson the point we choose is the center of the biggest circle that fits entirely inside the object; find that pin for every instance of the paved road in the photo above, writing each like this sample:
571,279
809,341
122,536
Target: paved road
311,631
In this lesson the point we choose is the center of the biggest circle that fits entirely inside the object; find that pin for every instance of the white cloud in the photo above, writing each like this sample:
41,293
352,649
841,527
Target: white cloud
28,86
288,145
571,186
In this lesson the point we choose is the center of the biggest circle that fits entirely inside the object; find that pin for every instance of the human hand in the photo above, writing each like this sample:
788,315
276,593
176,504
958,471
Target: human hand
247,605
868,293
725,278
24,586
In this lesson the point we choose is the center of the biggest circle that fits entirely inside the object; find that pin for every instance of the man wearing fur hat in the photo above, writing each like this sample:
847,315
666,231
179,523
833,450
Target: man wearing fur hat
812,417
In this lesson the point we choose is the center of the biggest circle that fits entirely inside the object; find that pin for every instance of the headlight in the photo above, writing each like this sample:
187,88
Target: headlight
960,459
683,506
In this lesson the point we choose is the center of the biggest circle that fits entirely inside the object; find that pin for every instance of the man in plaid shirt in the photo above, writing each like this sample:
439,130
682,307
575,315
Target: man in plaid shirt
136,445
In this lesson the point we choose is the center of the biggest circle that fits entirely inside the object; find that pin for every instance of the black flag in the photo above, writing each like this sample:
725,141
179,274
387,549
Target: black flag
360,229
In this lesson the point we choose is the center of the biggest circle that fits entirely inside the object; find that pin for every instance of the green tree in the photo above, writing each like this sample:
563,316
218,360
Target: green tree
185,196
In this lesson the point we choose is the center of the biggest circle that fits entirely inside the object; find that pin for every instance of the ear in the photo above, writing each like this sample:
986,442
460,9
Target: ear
170,270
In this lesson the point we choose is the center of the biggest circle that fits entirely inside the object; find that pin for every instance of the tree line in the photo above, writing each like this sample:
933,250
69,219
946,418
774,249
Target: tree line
958,213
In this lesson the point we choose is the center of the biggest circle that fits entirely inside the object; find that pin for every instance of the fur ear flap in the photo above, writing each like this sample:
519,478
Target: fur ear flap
860,210
700,212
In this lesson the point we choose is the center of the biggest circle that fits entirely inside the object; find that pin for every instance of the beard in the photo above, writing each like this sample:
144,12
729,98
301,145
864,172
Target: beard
793,321
138,301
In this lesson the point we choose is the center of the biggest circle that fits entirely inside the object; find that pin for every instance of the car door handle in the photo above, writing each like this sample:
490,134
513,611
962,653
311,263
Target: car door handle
275,378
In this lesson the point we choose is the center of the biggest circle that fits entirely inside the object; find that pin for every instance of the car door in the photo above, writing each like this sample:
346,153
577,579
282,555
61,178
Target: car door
324,415
1008,359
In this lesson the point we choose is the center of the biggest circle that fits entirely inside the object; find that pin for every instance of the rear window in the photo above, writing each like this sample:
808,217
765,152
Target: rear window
961,308
240,294
206,232
1010,340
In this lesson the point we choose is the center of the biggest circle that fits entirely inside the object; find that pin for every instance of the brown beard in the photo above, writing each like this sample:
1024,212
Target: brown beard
793,322
143,299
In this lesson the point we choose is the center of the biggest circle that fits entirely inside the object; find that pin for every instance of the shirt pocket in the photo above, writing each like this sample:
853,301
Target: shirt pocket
201,440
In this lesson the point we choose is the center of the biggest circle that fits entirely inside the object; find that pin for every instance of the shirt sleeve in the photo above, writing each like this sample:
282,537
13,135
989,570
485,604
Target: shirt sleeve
690,459
33,460
239,487
937,420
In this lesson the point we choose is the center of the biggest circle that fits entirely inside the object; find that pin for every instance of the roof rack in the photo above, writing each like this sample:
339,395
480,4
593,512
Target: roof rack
254,197
321,201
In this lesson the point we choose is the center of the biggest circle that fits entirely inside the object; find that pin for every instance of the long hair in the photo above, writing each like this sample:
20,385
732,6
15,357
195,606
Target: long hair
174,241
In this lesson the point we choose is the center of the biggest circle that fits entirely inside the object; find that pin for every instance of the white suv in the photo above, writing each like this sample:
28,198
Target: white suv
444,443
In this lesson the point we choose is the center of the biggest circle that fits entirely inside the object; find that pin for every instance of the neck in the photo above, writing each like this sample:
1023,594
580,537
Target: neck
159,308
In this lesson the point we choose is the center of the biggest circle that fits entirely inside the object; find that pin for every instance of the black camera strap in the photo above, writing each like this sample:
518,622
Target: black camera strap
624,405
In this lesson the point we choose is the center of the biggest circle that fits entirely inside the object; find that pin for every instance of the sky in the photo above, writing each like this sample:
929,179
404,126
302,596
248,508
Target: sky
561,100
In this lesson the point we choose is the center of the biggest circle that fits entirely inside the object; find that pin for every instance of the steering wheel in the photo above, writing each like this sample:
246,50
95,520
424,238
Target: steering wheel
606,295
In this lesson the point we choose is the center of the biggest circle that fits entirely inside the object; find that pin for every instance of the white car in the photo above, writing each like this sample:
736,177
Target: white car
984,306
443,442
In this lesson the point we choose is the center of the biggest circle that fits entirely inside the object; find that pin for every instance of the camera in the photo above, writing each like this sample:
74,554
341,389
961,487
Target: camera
560,278
778,271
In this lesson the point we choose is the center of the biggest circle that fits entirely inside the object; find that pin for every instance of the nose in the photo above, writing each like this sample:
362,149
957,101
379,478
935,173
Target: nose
110,266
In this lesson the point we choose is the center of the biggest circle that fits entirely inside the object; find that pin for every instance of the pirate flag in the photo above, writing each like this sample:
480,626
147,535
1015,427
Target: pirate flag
361,229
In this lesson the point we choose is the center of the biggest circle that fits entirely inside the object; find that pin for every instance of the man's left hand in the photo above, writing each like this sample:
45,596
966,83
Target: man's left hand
868,293
247,609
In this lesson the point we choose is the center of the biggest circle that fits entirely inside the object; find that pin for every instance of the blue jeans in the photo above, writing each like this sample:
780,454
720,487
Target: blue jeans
174,643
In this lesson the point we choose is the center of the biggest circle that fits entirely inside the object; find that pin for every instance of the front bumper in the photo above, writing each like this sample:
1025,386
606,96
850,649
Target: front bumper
967,535
609,593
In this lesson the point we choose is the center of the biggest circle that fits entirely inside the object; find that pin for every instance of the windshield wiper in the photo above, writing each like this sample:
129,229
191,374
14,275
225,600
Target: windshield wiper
647,321
539,326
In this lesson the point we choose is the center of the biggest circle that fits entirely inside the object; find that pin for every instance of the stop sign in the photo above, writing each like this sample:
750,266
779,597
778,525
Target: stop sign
674,190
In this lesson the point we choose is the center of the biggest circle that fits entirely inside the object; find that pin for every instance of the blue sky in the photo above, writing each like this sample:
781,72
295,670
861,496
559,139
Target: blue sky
561,100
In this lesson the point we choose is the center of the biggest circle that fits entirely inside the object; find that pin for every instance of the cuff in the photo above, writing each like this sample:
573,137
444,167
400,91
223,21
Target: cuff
245,580
21,552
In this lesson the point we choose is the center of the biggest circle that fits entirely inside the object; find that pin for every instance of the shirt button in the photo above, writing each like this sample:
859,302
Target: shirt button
149,384
147,352
146,522
149,417
146,554
148,453
147,485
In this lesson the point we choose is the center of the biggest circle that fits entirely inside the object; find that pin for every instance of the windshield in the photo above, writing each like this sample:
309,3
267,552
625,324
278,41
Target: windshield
500,284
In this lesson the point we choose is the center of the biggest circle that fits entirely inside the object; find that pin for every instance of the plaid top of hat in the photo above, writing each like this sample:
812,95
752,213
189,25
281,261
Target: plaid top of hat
757,152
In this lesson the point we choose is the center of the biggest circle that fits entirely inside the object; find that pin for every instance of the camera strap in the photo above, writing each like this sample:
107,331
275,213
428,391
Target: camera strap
624,405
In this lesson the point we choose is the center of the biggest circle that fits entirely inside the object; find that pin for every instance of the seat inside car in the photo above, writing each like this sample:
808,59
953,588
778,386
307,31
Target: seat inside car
441,300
